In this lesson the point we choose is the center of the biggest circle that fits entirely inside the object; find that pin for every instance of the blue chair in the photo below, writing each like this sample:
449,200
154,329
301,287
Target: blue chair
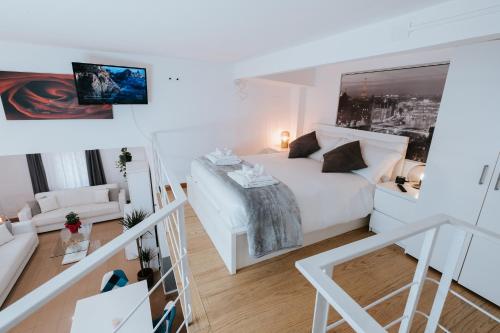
113,279
166,325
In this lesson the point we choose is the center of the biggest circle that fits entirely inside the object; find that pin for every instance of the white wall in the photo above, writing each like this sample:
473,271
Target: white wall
262,110
15,184
109,158
205,97
445,24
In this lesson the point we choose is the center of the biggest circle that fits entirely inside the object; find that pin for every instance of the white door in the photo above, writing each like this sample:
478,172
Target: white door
481,270
464,144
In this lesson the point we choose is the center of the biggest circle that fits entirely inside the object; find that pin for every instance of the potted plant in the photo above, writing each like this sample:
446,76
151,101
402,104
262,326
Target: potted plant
145,255
123,158
73,222
146,272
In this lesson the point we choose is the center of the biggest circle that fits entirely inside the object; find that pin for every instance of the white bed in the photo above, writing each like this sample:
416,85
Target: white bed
330,203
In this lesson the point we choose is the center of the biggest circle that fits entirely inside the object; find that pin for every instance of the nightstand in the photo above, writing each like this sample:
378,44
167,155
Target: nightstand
393,208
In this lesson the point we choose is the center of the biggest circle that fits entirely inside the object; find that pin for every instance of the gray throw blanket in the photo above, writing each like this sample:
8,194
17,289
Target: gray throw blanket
274,217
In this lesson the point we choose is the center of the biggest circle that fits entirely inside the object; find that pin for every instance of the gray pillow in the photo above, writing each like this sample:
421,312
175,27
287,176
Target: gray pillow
35,207
113,194
8,224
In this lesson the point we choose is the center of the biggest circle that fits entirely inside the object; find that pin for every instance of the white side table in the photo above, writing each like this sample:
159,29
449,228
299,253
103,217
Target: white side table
393,208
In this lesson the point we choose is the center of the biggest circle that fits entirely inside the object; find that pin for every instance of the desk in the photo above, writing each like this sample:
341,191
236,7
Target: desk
96,313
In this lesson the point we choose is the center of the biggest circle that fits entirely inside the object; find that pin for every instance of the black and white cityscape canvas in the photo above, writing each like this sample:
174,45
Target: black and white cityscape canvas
403,101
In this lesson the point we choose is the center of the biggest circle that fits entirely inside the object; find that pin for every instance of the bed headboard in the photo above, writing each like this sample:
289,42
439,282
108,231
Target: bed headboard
393,142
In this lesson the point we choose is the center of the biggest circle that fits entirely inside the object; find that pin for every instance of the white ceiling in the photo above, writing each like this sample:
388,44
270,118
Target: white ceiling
221,30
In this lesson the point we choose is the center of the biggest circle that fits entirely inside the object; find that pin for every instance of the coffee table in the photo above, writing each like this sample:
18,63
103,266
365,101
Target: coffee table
74,247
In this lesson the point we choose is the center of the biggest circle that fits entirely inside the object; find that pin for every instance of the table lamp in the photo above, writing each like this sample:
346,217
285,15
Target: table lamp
285,138
416,175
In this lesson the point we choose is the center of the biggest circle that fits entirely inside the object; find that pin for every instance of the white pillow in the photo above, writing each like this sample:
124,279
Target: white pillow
48,204
380,162
326,143
101,195
5,235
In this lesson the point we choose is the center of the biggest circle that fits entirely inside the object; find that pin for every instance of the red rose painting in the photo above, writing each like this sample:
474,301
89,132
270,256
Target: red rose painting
39,96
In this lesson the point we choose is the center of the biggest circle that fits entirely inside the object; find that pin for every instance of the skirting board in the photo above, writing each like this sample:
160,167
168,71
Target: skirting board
232,245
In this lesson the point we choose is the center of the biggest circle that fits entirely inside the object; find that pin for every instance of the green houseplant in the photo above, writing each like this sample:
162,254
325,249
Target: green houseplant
73,222
123,158
146,272
130,220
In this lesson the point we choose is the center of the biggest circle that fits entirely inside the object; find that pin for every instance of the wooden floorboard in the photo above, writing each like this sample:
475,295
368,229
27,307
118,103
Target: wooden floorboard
271,296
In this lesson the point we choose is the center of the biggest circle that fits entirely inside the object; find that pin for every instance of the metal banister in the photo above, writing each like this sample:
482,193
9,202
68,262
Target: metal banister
171,211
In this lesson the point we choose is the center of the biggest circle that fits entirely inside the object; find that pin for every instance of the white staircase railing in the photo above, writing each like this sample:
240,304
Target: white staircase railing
169,220
318,270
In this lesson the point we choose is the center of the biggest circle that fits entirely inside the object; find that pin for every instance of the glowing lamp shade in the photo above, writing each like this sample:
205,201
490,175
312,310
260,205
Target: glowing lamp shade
285,138
416,175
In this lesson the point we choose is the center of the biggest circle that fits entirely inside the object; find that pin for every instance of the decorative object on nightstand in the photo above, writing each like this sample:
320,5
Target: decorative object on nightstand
393,208
285,139
416,176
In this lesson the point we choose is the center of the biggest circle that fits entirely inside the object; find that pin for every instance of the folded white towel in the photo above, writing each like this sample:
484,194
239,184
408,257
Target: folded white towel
245,183
254,175
223,157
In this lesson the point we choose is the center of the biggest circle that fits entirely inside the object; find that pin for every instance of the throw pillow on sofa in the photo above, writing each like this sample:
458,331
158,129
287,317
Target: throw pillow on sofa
114,194
35,207
48,204
101,195
5,235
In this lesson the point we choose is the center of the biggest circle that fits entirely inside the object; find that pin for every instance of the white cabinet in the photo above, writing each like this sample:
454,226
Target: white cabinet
481,269
466,140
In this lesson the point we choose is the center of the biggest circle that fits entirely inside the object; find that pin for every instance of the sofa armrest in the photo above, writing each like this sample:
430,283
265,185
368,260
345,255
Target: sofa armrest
23,227
25,213
122,199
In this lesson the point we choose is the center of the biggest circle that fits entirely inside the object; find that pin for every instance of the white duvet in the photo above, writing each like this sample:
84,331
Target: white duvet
324,199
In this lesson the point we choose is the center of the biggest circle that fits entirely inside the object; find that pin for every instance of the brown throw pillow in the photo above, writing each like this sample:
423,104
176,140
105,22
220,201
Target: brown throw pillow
304,146
344,158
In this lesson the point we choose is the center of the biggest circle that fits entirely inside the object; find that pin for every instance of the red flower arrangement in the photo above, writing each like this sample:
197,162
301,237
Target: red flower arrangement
73,222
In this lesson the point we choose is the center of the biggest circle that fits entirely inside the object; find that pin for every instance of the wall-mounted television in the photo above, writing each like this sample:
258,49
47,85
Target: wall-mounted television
107,84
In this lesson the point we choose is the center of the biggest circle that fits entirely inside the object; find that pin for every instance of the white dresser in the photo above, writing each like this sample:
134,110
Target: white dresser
392,207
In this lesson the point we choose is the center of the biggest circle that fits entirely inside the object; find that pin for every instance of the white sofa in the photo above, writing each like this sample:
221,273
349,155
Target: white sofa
15,255
81,201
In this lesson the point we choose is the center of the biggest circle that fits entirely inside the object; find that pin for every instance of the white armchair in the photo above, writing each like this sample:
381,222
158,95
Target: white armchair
25,213
23,228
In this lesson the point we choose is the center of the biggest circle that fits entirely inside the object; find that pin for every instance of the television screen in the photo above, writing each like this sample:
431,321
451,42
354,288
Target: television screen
105,84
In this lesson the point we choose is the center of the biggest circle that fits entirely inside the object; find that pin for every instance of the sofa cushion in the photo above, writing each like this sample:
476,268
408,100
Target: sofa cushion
101,195
5,234
35,207
76,196
84,211
13,254
48,204
114,194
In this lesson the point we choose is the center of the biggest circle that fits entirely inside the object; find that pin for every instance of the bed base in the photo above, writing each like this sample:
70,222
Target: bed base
232,244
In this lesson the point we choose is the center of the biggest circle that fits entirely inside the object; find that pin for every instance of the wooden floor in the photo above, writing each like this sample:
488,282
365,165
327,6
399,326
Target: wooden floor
271,296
